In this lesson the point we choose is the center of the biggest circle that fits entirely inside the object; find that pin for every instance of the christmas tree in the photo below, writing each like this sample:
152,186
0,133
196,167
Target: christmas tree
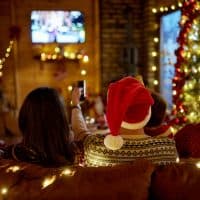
186,82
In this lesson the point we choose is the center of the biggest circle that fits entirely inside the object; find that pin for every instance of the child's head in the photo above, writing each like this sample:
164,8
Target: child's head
128,105
158,110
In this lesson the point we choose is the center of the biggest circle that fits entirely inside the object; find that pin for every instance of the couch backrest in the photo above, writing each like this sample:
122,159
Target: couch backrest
28,181
139,180
176,182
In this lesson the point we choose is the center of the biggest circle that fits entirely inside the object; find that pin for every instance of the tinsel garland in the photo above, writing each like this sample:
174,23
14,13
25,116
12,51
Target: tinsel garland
189,11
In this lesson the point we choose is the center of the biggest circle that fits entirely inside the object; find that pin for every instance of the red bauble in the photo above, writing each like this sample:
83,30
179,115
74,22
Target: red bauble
177,121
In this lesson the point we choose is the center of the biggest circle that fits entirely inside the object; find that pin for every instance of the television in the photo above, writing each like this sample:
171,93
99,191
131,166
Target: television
57,26
169,32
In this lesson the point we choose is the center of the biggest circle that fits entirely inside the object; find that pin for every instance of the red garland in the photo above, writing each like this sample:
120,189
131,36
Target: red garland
191,13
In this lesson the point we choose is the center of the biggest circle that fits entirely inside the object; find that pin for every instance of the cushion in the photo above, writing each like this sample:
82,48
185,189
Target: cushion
114,183
22,180
188,140
131,181
176,182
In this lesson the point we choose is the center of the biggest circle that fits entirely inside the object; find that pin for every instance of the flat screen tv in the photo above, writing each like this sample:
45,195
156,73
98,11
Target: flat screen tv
169,32
57,26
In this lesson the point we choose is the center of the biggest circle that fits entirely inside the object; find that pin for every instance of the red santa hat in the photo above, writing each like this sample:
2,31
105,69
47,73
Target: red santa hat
128,106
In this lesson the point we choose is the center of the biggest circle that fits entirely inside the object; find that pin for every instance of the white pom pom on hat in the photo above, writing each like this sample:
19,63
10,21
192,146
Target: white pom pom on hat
128,106
113,142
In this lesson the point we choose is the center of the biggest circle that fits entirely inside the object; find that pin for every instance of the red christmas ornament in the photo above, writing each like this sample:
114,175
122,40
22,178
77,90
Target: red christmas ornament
177,121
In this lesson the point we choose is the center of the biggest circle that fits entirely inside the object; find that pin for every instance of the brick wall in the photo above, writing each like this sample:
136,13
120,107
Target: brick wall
115,16
113,23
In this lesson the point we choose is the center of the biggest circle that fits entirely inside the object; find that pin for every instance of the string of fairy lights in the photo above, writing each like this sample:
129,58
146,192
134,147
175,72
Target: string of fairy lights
186,87
182,71
55,55
156,39
60,53
185,83
49,179
5,57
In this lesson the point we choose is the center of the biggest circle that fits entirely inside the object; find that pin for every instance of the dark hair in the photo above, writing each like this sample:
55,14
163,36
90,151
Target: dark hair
158,110
44,126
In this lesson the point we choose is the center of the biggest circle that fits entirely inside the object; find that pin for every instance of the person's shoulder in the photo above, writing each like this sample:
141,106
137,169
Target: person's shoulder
94,139
161,130
161,139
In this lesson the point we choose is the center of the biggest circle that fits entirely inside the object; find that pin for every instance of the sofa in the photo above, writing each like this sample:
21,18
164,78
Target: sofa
140,180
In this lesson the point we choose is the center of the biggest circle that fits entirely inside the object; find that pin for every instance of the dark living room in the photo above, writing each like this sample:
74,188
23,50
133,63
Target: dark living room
57,46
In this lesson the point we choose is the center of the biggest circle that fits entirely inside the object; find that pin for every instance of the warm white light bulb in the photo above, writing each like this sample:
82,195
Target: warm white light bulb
161,9
154,10
180,4
155,82
67,172
154,53
198,164
7,55
166,8
173,7
66,54
48,181
13,169
4,190
72,55
8,49
85,58
174,92
154,68
155,39
69,88
177,160
57,49
83,72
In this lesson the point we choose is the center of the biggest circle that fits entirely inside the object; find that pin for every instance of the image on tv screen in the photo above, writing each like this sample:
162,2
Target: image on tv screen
57,26
169,31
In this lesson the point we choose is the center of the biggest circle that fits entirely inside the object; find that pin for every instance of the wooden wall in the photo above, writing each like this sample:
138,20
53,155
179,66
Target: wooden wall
22,72
108,33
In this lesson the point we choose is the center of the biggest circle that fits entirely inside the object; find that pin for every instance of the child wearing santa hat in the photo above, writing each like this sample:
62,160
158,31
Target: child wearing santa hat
128,111
157,125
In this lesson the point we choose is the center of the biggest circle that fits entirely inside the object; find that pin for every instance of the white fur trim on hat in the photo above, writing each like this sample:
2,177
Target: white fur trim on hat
113,142
134,126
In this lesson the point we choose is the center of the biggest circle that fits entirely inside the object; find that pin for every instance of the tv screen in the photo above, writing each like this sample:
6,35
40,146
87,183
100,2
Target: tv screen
57,27
169,31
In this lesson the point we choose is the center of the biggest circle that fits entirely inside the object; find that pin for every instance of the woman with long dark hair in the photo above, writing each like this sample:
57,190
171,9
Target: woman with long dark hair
45,130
